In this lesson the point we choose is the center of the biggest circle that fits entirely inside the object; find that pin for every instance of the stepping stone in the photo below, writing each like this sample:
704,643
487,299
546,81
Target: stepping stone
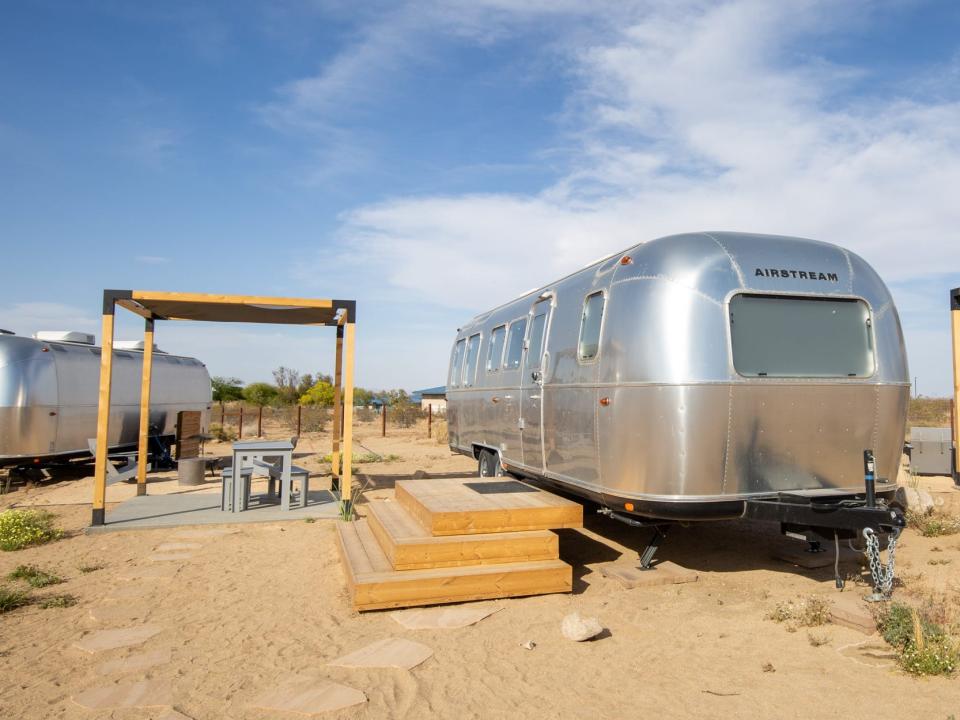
177,546
309,696
389,652
135,663
112,639
127,592
151,572
873,653
117,613
162,557
663,573
850,610
202,533
444,618
145,693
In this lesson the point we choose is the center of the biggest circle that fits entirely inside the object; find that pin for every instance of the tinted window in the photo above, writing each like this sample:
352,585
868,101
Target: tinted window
589,344
515,345
535,346
496,348
470,369
457,362
777,336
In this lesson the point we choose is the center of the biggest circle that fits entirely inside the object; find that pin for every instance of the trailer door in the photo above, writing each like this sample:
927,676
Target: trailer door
532,377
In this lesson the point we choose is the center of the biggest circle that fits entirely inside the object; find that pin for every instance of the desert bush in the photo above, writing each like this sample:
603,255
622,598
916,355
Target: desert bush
313,419
11,599
923,647
58,601
817,640
365,414
441,432
221,433
34,576
404,415
90,567
934,524
807,612
23,528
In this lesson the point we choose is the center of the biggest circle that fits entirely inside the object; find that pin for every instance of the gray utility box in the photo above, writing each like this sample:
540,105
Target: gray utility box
932,450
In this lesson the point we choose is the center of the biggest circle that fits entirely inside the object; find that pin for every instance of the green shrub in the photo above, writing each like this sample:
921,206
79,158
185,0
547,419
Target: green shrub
11,599
34,576
89,568
23,528
58,601
934,524
221,433
923,647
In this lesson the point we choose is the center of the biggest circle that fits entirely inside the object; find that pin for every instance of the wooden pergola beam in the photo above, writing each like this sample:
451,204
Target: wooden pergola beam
955,419
145,380
103,414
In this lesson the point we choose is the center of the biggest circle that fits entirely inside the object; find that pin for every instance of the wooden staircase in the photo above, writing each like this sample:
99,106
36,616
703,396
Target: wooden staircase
450,540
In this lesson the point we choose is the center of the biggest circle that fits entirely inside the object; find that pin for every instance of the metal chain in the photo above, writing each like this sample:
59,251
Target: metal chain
882,574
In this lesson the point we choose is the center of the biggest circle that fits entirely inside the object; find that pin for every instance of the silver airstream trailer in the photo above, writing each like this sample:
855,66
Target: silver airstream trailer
699,376
48,395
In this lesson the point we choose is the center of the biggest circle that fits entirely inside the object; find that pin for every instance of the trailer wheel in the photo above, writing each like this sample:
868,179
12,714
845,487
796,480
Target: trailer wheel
489,464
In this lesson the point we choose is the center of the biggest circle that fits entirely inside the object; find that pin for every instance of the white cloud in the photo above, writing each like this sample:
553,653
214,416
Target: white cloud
26,318
692,116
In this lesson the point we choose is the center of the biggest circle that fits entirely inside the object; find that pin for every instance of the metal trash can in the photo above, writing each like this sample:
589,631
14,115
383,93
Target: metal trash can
190,471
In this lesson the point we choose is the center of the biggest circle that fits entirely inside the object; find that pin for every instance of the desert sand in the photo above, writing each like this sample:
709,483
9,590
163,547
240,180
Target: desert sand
247,609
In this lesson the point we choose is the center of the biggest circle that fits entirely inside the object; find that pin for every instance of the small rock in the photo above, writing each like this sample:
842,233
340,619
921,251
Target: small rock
768,667
528,645
578,628
915,500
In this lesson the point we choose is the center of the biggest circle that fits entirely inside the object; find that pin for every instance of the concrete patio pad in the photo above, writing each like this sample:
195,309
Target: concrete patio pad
203,508
309,697
386,653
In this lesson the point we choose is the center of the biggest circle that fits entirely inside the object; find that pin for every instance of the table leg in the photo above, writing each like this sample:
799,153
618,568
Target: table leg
285,487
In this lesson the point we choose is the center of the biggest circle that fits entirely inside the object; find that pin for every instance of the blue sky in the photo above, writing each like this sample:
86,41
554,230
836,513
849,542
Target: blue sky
397,153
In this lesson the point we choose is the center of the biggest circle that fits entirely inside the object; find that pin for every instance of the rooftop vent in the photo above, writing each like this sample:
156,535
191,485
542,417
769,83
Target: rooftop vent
81,338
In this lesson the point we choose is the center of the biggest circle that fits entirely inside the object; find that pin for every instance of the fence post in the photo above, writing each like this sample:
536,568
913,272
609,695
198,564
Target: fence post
260,422
429,420
299,414
240,429
223,415
383,420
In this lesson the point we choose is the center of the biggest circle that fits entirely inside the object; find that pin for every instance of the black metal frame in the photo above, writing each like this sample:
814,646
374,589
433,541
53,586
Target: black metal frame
847,516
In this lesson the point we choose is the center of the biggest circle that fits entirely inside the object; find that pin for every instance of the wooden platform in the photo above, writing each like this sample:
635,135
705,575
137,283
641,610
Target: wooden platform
396,557
452,506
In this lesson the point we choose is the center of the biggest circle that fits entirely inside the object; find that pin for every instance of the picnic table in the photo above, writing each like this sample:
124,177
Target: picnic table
245,453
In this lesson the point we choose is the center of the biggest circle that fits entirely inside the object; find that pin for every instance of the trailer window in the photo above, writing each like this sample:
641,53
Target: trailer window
589,344
518,329
535,344
473,352
495,353
777,336
457,362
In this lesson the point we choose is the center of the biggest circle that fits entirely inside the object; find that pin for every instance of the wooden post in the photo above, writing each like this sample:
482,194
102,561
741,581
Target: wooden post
955,415
260,422
383,419
143,450
429,420
103,414
337,409
240,428
346,480
299,419
223,415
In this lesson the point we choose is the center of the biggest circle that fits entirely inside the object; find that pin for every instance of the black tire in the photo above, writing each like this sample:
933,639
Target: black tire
488,464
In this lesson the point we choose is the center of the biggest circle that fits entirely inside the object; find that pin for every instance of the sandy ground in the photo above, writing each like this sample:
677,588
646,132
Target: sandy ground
265,602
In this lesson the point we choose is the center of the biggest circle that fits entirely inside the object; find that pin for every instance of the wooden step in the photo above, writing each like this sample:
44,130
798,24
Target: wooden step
449,506
408,546
373,585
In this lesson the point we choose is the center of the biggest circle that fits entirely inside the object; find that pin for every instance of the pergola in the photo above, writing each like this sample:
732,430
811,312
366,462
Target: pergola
153,306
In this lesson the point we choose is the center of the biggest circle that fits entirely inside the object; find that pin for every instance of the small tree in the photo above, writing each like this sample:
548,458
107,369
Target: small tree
287,381
226,389
320,394
260,393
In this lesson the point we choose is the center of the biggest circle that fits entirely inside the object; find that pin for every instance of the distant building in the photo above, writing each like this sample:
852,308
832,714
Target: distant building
435,397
